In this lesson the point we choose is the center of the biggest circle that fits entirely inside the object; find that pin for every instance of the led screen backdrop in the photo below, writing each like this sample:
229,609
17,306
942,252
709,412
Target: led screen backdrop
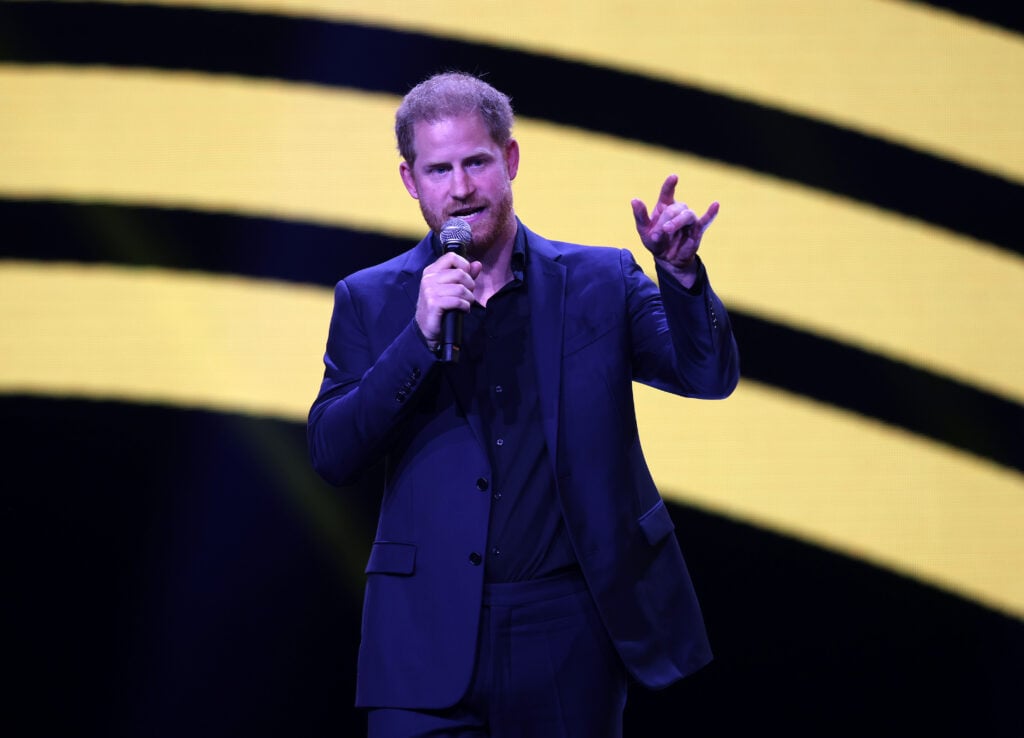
181,184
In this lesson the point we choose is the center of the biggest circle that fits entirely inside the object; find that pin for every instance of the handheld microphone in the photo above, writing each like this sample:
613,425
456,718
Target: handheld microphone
456,235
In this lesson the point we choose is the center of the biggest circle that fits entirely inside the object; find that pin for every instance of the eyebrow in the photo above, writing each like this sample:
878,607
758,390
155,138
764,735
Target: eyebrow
478,154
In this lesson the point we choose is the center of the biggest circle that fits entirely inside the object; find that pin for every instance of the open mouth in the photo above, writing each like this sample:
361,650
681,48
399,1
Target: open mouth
467,213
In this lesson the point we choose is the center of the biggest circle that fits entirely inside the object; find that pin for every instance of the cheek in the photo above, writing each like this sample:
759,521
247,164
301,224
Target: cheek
428,190
431,199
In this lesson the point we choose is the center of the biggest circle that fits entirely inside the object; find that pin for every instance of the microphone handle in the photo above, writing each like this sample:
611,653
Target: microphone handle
451,321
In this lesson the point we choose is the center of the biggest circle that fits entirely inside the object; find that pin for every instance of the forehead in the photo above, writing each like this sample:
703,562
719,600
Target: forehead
452,137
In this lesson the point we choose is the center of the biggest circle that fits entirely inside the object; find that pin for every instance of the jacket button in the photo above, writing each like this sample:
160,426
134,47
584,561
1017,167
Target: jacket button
482,484
475,559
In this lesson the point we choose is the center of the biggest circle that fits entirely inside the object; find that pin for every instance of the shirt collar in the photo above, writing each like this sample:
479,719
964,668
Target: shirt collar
519,252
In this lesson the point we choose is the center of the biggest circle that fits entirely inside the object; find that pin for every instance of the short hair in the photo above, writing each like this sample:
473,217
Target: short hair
447,95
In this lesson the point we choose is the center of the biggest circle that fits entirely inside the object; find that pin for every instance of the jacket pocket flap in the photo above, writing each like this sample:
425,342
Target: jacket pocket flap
656,523
391,558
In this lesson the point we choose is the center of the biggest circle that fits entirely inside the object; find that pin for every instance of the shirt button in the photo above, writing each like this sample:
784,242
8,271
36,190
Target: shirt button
475,559
498,389
496,551
497,495
500,442
482,484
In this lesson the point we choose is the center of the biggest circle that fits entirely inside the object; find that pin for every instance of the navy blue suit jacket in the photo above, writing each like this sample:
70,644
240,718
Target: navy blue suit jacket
598,323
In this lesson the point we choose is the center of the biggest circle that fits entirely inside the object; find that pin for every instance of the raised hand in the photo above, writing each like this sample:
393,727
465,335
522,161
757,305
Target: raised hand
672,232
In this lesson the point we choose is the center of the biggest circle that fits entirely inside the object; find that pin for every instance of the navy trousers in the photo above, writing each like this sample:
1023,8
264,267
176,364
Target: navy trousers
545,668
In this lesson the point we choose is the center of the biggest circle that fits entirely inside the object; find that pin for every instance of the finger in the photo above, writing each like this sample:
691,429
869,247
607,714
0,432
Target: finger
679,216
448,279
453,260
447,261
643,220
462,301
667,196
708,218
448,297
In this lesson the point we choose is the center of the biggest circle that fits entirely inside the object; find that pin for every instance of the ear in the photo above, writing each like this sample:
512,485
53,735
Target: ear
408,179
512,158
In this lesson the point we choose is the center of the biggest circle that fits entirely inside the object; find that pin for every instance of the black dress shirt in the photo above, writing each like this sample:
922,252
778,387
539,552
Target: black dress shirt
497,373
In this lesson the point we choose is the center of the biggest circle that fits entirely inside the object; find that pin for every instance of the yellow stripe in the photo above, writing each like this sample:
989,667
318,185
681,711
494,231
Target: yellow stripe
254,346
149,335
844,482
900,71
189,140
808,259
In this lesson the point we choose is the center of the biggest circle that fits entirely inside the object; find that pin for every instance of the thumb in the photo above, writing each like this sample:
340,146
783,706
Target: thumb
640,214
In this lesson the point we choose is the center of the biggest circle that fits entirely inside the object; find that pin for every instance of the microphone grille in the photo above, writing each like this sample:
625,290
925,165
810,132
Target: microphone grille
456,230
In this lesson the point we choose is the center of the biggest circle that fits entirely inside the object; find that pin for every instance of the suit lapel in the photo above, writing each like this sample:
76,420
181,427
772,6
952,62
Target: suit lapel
545,278
419,257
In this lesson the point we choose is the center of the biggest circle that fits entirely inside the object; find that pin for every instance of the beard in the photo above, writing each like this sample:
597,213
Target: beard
497,221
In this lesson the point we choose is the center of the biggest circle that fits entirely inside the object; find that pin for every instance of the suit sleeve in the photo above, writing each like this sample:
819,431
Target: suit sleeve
365,393
682,339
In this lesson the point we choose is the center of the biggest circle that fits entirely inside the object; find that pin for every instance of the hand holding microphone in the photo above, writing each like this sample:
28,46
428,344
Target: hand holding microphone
446,291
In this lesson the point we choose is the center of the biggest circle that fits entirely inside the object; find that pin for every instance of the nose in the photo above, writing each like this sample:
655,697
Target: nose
462,184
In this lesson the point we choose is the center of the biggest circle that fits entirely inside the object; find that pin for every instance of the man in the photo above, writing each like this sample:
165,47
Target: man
524,565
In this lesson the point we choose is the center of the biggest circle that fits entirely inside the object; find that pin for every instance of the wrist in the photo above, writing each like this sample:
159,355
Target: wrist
433,344
685,272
